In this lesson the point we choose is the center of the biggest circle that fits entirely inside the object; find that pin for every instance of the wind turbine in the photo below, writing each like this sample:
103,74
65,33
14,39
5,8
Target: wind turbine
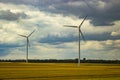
28,43
80,33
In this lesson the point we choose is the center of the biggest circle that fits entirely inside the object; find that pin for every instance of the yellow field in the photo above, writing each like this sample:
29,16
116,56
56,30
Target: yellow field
58,71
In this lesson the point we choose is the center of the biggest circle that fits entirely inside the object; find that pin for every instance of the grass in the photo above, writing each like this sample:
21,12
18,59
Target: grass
58,71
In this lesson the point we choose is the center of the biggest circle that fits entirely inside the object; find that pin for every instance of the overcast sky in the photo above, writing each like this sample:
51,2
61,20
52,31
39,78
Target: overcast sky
53,41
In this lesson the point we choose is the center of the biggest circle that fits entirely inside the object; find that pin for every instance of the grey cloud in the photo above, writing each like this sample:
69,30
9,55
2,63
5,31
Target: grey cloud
10,16
98,16
54,39
107,15
4,48
27,2
12,1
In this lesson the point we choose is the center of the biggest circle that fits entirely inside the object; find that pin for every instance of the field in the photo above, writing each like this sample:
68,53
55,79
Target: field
58,71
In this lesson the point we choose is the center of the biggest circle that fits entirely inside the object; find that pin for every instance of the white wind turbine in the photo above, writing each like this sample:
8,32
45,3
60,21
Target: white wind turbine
80,33
28,43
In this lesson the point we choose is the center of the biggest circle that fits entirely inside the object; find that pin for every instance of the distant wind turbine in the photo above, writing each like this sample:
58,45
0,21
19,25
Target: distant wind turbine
80,33
28,43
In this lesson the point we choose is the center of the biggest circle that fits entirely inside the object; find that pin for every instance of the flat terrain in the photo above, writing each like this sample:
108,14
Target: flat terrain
58,71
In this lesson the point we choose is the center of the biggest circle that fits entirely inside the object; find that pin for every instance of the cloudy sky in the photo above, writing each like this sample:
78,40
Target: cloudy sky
53,41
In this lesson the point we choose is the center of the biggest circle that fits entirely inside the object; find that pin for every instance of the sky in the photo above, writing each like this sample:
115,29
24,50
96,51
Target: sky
51,40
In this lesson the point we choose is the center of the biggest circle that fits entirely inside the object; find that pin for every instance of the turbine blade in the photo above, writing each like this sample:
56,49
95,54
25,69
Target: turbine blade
22,35
70,26
82,21
31,33
88,5
82,35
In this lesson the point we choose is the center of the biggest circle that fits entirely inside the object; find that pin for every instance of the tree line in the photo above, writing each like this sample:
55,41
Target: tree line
63,61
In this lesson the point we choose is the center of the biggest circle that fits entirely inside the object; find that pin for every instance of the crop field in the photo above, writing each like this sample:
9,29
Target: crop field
58,71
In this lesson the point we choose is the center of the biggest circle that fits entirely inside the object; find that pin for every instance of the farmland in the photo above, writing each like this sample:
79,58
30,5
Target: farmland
58,71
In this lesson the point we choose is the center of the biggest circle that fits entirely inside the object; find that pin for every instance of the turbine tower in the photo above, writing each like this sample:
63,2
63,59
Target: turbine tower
80,34
28,43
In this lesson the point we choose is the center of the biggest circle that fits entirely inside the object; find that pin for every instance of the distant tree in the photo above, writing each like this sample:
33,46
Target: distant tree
84,59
